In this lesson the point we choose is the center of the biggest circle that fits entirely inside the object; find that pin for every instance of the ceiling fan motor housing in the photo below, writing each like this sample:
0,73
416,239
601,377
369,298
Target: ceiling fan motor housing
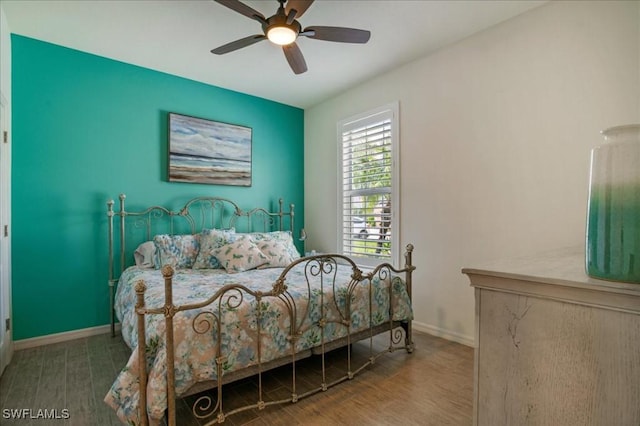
280,20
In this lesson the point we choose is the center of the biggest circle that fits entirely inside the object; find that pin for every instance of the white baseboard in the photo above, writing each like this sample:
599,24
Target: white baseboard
445,334
62,337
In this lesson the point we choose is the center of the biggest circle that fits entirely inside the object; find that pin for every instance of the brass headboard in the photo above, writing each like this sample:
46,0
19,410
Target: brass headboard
135,227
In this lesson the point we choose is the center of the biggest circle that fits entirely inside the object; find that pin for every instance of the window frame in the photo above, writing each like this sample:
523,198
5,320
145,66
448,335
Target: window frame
390,111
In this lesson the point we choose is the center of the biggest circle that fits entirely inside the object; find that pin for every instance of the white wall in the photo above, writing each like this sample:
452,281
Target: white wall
496,133
5,55
6,346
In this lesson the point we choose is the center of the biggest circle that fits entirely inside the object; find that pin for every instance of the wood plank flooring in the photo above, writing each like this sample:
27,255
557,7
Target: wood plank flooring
431,386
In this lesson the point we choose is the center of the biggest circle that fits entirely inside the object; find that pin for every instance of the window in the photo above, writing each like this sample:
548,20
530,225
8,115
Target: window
368,185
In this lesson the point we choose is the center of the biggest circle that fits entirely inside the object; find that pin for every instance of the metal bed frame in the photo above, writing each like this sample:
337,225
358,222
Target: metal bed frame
197,214
322,268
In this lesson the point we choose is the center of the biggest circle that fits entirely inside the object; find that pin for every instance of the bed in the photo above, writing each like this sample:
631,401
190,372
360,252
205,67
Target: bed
217,294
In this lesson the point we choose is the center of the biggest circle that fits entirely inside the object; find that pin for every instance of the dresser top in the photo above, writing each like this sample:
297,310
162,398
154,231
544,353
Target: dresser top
562,267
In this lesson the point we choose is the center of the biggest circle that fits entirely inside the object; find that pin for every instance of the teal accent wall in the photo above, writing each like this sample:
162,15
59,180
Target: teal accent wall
87,128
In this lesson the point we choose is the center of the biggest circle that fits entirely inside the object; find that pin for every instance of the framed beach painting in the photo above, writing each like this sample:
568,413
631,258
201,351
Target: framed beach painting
206,151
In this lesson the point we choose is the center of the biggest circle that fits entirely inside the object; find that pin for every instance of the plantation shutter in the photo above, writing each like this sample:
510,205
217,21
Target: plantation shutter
367,185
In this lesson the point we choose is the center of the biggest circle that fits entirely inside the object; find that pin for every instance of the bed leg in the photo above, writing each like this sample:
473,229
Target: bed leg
112,313
169,312
408,339
142,350
408,257
110,214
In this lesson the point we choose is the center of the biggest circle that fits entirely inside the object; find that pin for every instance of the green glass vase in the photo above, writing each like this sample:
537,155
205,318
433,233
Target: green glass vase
613,214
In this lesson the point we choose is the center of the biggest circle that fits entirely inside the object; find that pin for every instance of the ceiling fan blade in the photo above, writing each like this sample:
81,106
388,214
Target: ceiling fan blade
300,6
243,9
294,57
338,34
238,44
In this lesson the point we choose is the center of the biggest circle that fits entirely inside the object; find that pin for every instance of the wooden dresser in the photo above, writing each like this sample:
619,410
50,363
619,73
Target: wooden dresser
553,346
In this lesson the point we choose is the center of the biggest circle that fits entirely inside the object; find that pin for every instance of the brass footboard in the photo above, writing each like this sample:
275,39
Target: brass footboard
320,268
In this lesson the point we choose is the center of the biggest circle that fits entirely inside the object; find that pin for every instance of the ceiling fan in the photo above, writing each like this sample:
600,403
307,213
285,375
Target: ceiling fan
283,29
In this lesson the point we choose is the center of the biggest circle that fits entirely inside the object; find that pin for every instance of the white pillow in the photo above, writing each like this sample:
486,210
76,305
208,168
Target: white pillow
240,255
145,255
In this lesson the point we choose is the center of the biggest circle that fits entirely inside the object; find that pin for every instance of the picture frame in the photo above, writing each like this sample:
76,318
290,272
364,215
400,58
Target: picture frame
208,152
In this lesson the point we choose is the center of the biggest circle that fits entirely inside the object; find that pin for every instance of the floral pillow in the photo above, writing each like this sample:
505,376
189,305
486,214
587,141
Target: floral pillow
210,241
277,252
240,255
284,237
178,251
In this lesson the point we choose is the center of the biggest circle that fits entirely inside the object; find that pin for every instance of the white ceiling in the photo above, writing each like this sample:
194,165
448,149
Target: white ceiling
176,37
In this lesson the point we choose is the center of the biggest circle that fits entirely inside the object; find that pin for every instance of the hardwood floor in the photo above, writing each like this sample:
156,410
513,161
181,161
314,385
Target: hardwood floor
431,386
74,375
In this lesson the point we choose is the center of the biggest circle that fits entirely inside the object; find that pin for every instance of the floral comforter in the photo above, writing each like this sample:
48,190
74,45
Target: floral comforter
238,323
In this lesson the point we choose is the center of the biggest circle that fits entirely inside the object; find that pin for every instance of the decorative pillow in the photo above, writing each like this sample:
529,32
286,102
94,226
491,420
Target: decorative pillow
210,241
178,251
240,255
145,255
281,236
277,253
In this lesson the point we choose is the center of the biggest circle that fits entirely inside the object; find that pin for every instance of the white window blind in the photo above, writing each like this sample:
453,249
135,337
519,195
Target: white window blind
368,181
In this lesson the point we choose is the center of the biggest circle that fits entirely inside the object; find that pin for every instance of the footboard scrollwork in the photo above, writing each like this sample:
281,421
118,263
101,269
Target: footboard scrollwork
316,312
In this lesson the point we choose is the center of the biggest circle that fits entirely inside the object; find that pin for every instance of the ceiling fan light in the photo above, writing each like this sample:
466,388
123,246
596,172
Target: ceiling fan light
281,35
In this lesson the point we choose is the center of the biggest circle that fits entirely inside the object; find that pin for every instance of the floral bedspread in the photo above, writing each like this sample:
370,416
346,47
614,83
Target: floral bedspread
237,317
